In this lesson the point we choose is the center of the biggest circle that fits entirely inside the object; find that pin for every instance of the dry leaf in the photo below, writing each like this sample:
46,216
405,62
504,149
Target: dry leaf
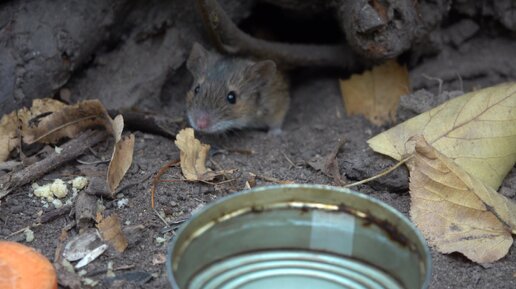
376,93
111,231
120,161
193,156
48,121
477,131
23,118
122,157
56,120
449,207
8,139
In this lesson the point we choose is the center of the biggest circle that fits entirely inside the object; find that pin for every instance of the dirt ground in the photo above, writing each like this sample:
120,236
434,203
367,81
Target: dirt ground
313,127
315,124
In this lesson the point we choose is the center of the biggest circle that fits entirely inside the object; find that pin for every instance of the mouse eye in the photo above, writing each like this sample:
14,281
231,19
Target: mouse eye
231,97
196,89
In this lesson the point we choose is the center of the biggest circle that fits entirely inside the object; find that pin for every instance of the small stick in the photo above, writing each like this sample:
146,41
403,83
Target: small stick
161,218
381,174
85,210
23,229
157,177
289,160
71,150
150,123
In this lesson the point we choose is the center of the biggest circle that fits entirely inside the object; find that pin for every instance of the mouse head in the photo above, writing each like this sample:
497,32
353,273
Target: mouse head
226,91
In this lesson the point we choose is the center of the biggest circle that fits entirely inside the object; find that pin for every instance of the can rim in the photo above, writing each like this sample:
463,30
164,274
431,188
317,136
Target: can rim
389,208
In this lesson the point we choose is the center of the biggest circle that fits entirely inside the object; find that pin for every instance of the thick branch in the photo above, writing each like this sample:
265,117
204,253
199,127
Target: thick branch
71,150
230,39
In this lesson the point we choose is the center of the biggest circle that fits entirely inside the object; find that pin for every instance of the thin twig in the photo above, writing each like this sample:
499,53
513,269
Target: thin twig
23,229
383,173
157,177
92,163
161,218
289,160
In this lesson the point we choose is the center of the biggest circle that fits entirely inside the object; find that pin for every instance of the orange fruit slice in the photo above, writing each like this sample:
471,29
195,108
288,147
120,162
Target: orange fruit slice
22,267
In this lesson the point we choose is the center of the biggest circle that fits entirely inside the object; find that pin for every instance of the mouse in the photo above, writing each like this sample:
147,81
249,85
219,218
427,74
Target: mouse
231,93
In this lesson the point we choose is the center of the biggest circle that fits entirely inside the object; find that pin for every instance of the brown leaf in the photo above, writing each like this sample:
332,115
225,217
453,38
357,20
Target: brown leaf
48,121
122,157
111,231
376,93
193,156
51,120
8,139
23,118
446,207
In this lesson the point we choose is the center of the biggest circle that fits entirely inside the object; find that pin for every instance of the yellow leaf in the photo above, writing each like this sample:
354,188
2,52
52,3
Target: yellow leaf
376,93
449,207
477,131
192,154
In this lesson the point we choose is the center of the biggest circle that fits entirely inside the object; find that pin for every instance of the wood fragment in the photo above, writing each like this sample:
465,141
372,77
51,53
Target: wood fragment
85,210
150,123
97,186
54,214
71,150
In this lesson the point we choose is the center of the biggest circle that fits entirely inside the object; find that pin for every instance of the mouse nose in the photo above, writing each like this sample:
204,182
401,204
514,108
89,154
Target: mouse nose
203,121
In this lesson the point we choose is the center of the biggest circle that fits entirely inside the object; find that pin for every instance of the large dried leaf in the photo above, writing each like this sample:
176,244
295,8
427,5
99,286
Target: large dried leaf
456,212
376,93
477,131
54,122
193,155
24,119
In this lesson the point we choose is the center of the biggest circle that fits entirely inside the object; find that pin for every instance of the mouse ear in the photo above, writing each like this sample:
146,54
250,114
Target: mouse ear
197,61
261,72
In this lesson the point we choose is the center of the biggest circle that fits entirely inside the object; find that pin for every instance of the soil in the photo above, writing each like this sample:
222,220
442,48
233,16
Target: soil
315,123
314,126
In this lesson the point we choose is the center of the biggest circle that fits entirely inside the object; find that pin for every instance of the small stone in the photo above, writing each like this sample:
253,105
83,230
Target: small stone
57,203
29,235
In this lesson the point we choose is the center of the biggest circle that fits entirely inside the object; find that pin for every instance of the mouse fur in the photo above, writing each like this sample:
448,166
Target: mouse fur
234,93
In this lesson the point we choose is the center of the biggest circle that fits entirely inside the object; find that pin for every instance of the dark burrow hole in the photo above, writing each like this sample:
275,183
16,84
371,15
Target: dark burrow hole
277,24
282,25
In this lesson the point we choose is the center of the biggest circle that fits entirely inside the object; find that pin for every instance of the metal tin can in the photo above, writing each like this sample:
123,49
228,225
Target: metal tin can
298,237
